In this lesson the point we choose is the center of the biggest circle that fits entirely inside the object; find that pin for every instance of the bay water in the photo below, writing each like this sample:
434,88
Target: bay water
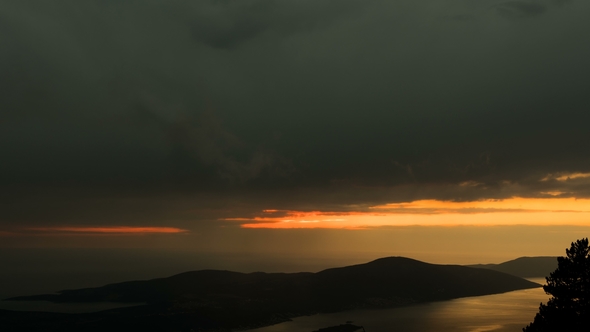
506,312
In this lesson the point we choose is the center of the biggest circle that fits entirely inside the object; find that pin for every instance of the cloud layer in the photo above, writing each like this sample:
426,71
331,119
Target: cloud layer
135,113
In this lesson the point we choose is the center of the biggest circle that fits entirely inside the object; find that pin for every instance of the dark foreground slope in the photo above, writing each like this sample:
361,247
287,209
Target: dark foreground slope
524,267
219,300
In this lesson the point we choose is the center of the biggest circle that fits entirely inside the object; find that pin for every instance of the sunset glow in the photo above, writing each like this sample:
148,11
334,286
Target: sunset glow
566,176
109,230
513,211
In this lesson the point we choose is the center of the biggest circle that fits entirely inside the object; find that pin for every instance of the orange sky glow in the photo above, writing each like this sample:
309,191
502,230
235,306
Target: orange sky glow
512,211
109,230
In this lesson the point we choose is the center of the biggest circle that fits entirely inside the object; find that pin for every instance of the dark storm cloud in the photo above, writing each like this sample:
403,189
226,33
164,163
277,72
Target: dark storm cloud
241,21
181,106
227,24
520,9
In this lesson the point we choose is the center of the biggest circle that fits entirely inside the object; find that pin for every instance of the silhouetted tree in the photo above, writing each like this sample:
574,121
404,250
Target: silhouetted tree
569,308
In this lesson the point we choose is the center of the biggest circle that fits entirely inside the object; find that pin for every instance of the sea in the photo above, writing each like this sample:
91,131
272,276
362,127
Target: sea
506,312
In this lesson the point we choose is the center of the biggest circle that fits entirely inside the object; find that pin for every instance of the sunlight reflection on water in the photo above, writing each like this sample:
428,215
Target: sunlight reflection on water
508,312
486,328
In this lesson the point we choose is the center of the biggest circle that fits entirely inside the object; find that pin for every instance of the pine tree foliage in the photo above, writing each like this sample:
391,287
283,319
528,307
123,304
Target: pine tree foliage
569,308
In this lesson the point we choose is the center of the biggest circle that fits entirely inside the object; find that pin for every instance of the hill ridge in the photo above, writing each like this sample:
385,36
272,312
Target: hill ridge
524,267
227,300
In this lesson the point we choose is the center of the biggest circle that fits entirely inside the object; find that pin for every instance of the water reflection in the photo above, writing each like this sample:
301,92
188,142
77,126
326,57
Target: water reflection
508,312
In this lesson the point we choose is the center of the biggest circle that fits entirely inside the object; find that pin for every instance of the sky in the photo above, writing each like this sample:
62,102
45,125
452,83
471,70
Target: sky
450,131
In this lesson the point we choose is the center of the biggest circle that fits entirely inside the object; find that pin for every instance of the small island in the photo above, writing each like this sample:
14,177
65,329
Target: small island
348,327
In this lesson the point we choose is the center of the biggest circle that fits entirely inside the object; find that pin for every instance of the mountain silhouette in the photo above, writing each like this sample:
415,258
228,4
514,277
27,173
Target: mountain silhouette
211,299
524,267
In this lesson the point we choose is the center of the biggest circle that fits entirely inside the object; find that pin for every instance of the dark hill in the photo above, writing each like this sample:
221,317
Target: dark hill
221,299
524,267
400,280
